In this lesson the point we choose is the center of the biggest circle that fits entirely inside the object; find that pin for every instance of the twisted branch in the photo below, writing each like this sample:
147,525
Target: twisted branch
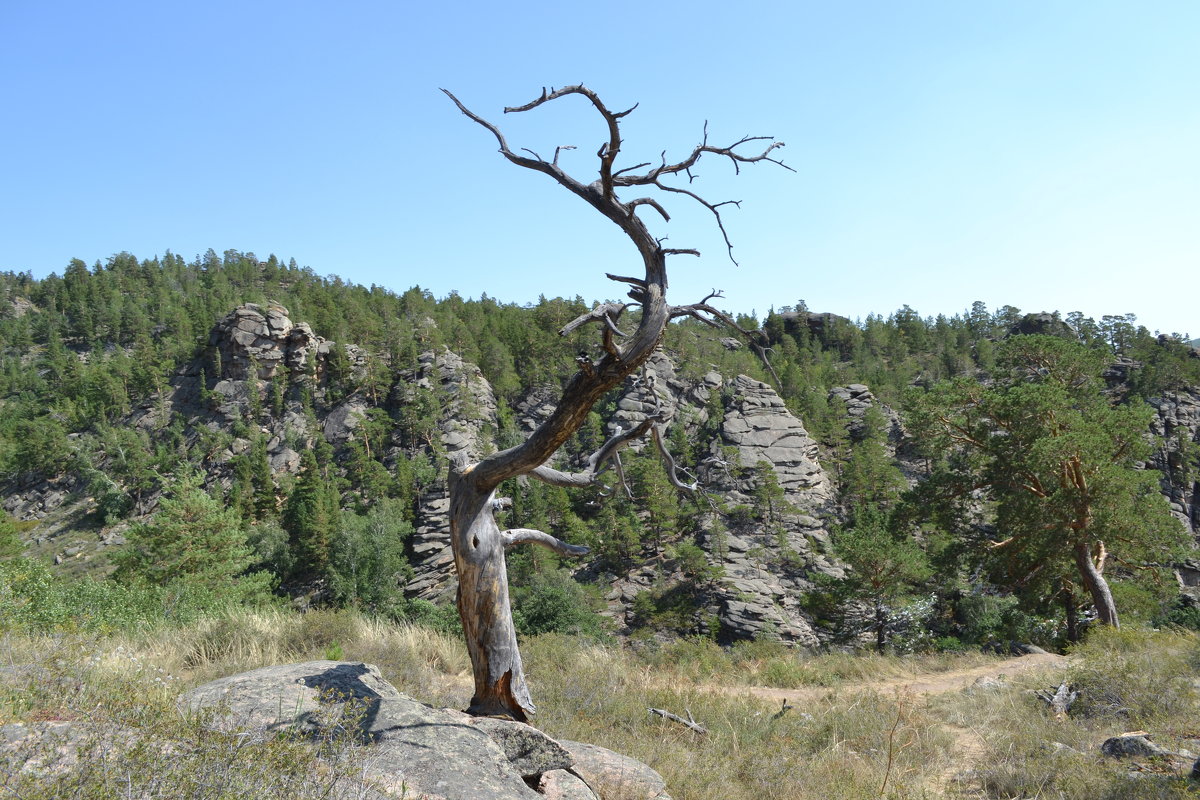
515,536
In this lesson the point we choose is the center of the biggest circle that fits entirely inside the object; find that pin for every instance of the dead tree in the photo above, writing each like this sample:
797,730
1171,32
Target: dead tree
477,540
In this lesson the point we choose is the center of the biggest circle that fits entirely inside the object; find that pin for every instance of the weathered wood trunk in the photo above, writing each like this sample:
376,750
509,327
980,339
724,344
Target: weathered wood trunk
476,539
483,603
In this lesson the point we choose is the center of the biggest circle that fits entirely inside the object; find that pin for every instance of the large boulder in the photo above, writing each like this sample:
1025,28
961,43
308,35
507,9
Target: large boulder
416,749
614,775
1135,744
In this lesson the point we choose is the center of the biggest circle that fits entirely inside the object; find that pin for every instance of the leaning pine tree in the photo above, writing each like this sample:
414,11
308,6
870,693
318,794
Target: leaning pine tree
477,540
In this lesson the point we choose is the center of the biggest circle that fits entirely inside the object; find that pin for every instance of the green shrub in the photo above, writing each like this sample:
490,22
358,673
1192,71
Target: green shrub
784,674
1135,674
35,599
553,602
443,619
1182,615
193,543
10,540
367,566
991,618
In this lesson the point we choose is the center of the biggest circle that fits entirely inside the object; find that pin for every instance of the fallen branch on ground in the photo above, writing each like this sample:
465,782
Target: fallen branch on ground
690,722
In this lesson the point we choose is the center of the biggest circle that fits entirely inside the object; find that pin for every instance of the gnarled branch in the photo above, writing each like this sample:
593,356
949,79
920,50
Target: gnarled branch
715,318
598,462
690,722
516,536
608,313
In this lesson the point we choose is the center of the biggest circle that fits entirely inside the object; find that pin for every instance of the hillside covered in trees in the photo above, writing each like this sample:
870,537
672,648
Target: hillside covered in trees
237,430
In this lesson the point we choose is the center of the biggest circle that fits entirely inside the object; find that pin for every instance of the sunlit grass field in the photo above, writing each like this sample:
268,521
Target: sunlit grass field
845,737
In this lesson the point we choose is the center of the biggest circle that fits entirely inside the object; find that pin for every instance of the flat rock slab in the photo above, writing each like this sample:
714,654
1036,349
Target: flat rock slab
563,785
75,758
292,697
611,774
530,752
432,755
416,750
46,750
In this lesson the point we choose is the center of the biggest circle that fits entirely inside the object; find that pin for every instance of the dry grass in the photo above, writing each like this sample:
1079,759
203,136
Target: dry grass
845,742
1129,680
770,663
846,745
101,723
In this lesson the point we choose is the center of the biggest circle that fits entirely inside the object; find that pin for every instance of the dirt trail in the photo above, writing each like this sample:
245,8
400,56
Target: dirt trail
968,745
922,684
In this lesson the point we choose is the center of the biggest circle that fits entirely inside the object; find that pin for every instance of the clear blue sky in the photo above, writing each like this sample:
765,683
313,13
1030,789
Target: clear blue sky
1040,154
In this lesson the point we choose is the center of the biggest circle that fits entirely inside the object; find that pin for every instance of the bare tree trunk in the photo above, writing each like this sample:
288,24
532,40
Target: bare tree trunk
476,538
483,603
1097,586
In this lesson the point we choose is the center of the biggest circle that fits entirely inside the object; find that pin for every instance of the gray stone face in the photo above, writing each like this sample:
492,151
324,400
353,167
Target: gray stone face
252,342
766,570
529,751
413,748
611,774
1131,744
758,427
302,697
429,753
468,408
1177,420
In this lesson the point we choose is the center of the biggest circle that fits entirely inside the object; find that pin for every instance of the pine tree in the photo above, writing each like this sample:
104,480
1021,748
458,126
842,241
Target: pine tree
1057,459
193,541
884,567
311,517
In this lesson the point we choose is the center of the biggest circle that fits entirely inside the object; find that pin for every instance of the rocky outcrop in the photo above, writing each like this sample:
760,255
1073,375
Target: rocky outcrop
253,342
821,326
759,428
416,750
1177,421
614,775
767,561
858,401
1044,324
467,408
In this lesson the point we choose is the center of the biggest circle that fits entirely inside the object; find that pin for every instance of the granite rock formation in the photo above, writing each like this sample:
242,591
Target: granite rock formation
414,749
